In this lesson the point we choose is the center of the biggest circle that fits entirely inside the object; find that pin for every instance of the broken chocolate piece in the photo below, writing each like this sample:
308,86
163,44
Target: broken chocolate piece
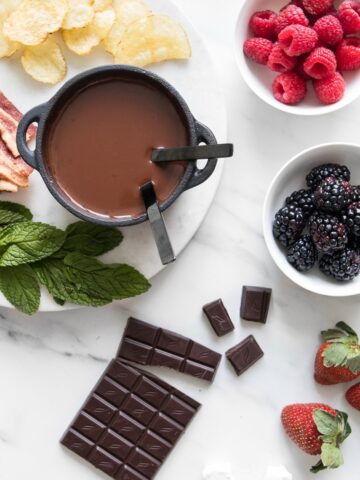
255,304
244,355
218,317
130,423
147,344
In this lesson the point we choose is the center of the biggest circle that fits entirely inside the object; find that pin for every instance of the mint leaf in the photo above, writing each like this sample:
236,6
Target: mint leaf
13,213
96,278
89,239
326,424
28,242
21,288
331,456
53,274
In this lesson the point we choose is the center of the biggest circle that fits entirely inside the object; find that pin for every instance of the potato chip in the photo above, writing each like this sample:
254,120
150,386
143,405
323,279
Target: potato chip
33,20
100,5
126,12
82,40
45,62
7,47
153,39
79,15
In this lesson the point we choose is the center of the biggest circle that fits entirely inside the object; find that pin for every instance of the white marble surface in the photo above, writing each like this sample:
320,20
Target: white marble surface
49,363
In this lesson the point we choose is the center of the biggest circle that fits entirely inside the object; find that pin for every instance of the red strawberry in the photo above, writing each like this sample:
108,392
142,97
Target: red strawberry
338,358
317,429
353,396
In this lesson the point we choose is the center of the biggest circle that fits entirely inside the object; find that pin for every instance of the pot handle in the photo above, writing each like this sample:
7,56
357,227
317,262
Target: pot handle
33,116
205,135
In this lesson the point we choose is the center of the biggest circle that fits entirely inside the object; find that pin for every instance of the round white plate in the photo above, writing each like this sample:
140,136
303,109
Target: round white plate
197,82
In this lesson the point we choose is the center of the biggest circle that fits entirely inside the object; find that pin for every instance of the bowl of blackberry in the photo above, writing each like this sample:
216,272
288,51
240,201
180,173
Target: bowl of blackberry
311,219
302,56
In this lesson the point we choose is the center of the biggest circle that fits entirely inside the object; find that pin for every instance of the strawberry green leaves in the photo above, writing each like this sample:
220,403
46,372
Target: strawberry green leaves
333,431
343,349
34,254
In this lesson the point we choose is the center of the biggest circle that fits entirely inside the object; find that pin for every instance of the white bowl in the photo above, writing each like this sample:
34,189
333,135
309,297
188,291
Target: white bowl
290,178
259,78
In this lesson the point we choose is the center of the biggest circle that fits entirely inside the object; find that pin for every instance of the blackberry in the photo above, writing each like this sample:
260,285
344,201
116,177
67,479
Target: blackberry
343,266
303,199
317,174
288,224
355,194
327,233
333,195
354,243
351,218
302,255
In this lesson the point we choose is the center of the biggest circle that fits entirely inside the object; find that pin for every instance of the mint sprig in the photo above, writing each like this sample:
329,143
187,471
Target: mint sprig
34,254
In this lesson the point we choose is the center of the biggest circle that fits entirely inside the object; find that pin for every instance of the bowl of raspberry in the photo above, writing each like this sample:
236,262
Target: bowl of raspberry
311,219
301,57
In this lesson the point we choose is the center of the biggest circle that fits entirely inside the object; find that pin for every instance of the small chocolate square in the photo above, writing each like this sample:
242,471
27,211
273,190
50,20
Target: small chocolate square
244,355
218,317
255,304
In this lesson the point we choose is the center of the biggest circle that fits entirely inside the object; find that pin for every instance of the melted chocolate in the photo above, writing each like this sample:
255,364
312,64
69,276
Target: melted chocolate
99,145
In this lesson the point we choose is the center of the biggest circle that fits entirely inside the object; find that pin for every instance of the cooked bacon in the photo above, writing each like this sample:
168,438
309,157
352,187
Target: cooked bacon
14,171
6,186
8,129
7,168
10,108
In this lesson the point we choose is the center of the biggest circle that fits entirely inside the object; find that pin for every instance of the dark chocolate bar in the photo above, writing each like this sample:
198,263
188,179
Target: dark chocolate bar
218,317
255,304
130,423
244,355
146,344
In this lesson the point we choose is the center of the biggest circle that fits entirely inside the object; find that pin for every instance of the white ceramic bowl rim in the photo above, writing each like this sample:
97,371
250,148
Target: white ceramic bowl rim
351,94
326,286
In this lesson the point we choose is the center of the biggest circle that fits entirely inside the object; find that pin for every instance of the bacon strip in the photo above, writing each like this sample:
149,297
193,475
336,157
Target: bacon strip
14,171
8,129
6,186
10,108
7,170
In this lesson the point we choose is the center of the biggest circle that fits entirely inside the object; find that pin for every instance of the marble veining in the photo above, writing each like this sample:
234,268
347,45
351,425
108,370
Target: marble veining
49,363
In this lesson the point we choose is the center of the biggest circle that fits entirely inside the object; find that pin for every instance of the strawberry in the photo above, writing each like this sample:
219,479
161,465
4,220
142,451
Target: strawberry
317,429
338,358
353,396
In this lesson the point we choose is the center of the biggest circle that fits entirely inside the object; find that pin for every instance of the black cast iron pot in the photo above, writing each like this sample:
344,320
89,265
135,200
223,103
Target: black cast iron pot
198,133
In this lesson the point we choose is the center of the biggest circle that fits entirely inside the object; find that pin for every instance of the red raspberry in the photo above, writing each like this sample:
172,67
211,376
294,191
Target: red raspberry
289,88
329,30
298,3
258,49
296,40
316,7
299,68
349,16
291,15
331,89
279,61
262,24
348,54
321,63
